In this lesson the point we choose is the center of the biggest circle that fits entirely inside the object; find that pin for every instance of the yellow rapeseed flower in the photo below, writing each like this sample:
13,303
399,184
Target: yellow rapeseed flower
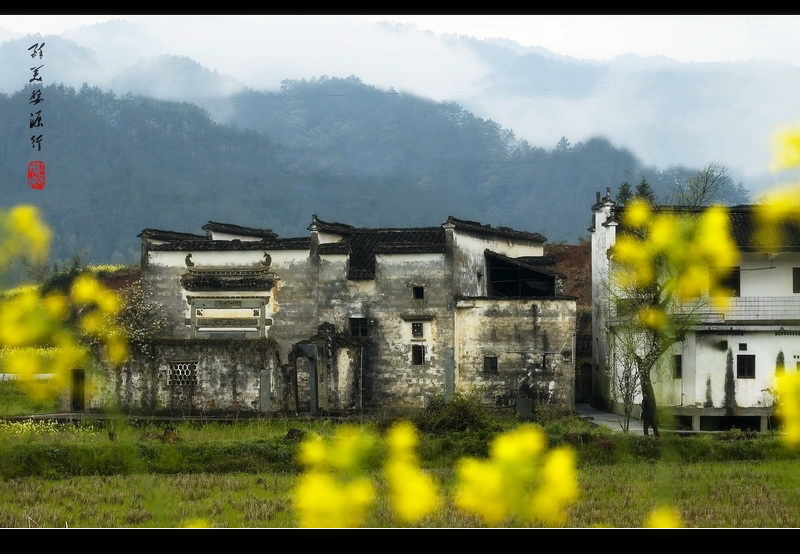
518,481
349,448
413,493
638,213
663,231
788,407
519,446
664,517
312,452
653,318
117,349
23,322
24,222
86,289
320,500
402,440
482,490
786,153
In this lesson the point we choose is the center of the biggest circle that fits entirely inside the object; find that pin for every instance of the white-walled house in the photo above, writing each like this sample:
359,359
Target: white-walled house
721,374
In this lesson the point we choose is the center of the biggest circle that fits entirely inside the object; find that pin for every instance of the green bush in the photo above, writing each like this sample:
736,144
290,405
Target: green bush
463,412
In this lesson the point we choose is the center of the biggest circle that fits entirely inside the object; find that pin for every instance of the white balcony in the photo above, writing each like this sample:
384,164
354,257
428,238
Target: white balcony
752,310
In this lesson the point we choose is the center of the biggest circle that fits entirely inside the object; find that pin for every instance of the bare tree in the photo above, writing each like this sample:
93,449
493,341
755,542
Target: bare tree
711,184
623,373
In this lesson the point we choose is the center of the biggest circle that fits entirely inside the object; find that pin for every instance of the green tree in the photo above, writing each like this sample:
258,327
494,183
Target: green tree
645,192
624,194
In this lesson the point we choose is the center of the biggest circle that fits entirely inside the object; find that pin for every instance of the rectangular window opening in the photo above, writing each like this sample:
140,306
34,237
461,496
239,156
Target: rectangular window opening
416,330
796,279
359,327
490,364
419,293
677,366
746,366
418,354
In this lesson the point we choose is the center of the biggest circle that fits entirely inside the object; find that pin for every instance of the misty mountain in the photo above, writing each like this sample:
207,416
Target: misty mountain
339,148
665,112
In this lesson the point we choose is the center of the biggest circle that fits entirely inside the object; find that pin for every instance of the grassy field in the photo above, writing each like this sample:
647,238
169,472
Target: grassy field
240,475
731,494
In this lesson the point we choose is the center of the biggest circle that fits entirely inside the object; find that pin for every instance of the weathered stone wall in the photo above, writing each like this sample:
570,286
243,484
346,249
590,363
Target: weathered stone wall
532,340
213,376
311,302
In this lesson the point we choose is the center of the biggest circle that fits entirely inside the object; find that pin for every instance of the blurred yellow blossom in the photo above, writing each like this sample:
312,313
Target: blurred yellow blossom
320,500
24,234
44,336
786,153
332,492
788,406
638,213
519,481
196,523
664,517
413,493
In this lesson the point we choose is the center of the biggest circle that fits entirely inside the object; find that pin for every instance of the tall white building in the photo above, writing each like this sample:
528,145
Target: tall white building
721,374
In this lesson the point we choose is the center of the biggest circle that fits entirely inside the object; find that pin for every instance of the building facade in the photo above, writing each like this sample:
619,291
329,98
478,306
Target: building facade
721,375
349,319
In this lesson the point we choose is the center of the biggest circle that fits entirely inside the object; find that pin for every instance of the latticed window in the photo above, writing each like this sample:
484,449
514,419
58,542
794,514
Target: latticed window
182,373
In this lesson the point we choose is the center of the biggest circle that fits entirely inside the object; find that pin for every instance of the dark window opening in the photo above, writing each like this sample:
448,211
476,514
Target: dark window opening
730,281
677,366
490,364
743,346
796,279
509,279
359,327
418,354
746,366
416,330
419,293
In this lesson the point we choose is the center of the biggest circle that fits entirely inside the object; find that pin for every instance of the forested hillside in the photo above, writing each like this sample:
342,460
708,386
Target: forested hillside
337,148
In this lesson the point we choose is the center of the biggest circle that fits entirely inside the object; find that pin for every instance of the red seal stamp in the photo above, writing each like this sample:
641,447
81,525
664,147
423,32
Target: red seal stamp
36,174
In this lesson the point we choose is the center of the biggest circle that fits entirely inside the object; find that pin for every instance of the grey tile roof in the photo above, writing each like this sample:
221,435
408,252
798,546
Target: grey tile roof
744,223
475,227
208,244
158,234
239,230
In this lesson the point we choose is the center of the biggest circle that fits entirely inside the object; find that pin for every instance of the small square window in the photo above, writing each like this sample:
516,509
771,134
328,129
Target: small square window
418,354
743,346
677,366
746,366
419,293
490,364
359,327
416,330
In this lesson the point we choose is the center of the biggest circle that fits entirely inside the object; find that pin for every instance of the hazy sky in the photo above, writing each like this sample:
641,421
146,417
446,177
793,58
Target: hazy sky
681,37
260,51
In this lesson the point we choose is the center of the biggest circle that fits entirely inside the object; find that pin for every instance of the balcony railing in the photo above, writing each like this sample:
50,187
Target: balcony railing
750,309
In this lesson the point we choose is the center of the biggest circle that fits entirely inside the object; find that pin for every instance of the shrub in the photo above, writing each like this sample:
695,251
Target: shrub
463,412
